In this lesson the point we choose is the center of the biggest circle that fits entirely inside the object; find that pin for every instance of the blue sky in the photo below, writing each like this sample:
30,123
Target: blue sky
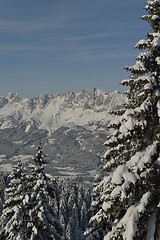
52,46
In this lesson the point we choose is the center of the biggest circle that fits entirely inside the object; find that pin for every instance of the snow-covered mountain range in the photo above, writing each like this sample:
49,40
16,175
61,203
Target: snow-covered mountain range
72,126
53,111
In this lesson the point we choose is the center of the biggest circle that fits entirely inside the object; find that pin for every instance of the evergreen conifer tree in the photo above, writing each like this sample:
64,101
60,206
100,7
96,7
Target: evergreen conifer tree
12,221
83,217
43,221
73,230
28,213
127,198
2,187
73,210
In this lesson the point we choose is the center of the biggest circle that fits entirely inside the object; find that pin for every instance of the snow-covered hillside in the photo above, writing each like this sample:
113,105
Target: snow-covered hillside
71,126
87,108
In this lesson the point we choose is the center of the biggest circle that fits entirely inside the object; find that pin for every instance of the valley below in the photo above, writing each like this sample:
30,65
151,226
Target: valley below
71,126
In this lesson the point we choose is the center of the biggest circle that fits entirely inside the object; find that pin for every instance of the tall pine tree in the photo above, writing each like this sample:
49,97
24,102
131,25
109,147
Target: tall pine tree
43,222
127,198
27,211
74,207
12,221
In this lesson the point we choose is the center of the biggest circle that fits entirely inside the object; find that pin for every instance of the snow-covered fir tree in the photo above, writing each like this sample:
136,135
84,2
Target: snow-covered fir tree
74,207
2,187
12,220
73,230
126,201
43,222
27,210
39,158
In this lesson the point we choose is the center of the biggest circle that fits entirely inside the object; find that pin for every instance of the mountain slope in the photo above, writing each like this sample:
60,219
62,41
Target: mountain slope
53,111
72,127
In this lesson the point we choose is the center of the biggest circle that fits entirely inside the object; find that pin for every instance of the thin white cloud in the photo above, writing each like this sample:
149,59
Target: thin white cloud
30,25
93,36
23,49
103,54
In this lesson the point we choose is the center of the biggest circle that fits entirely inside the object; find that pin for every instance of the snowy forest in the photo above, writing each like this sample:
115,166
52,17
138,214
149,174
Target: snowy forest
125,200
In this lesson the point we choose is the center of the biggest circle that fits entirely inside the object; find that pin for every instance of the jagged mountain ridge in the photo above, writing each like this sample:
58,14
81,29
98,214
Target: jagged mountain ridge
53,111
71,126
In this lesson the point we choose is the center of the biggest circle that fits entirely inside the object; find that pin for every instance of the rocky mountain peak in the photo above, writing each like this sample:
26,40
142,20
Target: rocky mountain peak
49,112
72,127
13,97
